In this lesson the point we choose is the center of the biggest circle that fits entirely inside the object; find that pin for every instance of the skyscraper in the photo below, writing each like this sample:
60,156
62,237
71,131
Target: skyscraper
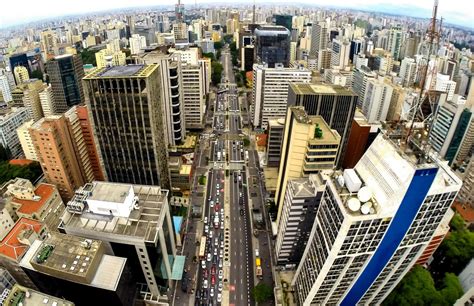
58,154
309,146
319,39
65,75
194,102
10,120
395,42
334,103
171,94
272,45
373,223
377,100
284,21
21,74
270,91
124,104
340,51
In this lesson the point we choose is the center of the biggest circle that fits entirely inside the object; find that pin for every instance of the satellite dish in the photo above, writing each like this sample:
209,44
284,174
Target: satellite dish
365,209
364,194
353,204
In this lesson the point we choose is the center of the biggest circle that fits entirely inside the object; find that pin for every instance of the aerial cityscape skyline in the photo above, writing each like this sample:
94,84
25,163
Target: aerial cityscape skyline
237,154
458,12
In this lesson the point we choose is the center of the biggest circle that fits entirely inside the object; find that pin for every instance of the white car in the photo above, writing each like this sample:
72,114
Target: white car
206,229
220,287
205,219
205,284
203,264
217,186
216,242
215,252
219,297
220,264
210,234
209,257
257,253
211,294
221,254
212,205
221,274
222,225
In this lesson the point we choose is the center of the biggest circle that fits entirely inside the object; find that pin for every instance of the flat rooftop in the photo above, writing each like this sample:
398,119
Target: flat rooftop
315,89
128,71
69,255
35,298
44,191
303,187
142,223
104,191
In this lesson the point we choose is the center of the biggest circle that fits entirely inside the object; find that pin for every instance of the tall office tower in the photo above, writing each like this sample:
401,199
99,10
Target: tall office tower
124,103
408,71
360,60
270,91
357,47
340,51
361,137
373,223
394,42
137,43
19,59
180,31
65,75
10,120
272,45
309,146
299,210
206,72
16,243
383,64
444,84
359,82
194,103
376,101
49,44
141,229
58,154
26,141
80,145
48,104
21,74
334,103
171,79
450,125
284,21
88,135
79,270
276,129
27,94
131,26
5,90
319,39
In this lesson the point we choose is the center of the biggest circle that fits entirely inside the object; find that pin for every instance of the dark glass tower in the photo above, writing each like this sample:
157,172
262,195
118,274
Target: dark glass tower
65,74
272,45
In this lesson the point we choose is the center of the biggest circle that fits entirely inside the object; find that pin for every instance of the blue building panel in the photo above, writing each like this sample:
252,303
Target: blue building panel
411,203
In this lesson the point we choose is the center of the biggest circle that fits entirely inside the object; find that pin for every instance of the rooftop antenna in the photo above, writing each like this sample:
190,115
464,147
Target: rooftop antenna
432,34
253,15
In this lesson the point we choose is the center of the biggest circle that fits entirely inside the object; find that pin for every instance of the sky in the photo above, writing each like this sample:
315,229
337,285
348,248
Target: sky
459,12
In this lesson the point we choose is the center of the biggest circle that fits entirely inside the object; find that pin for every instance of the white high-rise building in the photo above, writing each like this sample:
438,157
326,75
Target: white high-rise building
359,82
444,84
193,96
340,51
319,38
137,43
47,102
394,42
407,71
26,141
270,91
10,120
21,74
376,101
373,223
5,89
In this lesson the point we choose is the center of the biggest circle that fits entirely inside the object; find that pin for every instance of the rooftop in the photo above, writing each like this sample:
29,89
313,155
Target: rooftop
141,223
11,246
128,71
103,191
43,191
70,255
30,297
327,134
303,188
313,89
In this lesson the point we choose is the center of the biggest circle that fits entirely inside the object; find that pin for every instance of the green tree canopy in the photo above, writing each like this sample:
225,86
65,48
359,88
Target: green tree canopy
209,55
262,293
88,56
4,153
37,74
457,223
218,45
30,172
216,76
452,289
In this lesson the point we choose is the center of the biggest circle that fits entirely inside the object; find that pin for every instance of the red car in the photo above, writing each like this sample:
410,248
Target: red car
213,270
217,207
213,280
205,273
